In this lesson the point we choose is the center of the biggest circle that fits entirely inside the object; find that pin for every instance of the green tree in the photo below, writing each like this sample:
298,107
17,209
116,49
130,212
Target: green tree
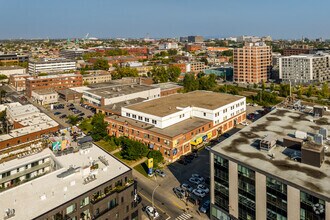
255,85
157,156
299,92
2,95
125,72
272,87
204,60
3,77
284,90
173,73
309,91
159,74
172,52
101,64
73,119
263,85
227,53
325,90
190,83
116,52
99,129
133,150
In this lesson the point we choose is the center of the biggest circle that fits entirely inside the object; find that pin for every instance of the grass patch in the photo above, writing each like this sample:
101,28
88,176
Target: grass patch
128,162
107,146
142,168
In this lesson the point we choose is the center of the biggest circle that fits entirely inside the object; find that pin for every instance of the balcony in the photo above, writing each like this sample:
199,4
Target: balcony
98,197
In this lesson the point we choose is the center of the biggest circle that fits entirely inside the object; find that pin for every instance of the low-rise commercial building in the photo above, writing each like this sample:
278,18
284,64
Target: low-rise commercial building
168,88
25,123
9,58
11,70
305,68
51,66
84,184
18,81
45,97
56,82
262,172
168,46
195,67
73,53
177,123
96,76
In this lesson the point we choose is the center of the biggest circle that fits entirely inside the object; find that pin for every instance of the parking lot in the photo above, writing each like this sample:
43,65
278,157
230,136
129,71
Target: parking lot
62,110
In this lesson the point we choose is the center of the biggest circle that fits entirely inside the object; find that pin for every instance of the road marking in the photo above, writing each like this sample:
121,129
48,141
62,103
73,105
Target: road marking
177,205
151,202
183,216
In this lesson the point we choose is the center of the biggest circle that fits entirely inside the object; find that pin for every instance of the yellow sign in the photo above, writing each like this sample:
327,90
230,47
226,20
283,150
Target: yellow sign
150,163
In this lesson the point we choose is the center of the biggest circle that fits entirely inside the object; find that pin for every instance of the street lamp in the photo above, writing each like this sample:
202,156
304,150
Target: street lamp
152,198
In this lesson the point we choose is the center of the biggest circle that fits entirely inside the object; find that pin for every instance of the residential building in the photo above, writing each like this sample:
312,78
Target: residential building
178,123
73,54
182,66
9,58
252,62
25,123
118,93
218,49
245,38
296,51
82,184
168,45
195,67
56,82
193,47
307,68
262,172
96,76
18,81
11,70
45,97
55,65
195,39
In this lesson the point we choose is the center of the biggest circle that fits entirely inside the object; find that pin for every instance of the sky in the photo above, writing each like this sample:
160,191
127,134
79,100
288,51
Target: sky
281,19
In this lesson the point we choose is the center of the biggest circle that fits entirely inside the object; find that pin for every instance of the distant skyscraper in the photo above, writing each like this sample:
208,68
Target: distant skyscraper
195,39
252,62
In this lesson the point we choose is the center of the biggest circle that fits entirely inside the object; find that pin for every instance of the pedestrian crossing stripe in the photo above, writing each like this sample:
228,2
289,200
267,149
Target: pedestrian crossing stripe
183,216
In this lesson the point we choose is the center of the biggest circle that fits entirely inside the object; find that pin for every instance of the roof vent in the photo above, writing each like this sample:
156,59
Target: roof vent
324,133
318,139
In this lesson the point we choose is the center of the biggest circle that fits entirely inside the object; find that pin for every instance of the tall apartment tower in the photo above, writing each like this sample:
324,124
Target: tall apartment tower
252,62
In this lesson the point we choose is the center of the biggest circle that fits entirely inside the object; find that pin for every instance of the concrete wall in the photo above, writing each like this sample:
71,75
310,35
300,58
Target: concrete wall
293,202
261,197
233,189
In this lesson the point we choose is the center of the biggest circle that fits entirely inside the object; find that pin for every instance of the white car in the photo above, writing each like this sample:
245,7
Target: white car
244,123
201,179
194,180
151,211
187,187
199,192
204,188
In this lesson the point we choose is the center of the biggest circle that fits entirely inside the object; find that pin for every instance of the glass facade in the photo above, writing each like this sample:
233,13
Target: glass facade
218,214
246,193
221,183
276,199
311,207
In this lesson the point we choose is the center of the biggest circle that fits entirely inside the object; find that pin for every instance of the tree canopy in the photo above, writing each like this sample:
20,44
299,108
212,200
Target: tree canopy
99,129
202,82
101,64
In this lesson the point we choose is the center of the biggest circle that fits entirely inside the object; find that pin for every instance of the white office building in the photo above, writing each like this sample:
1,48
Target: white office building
51,66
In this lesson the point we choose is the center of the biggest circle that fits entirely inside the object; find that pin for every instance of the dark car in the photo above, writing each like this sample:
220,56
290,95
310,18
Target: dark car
57,113
63,116
82,114
226,135
205,207
251,116
182,161
72,108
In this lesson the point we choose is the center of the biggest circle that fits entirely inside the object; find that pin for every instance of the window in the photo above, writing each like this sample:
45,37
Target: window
146,119
128,114
140,118
204,114
84,202
134,116
71,209
154,121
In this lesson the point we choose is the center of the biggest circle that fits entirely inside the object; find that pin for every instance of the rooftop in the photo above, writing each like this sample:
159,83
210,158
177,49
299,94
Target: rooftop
168,105
241,147
40,195
54,76
116,108
52,60
119,90
166,86
44,91
11,67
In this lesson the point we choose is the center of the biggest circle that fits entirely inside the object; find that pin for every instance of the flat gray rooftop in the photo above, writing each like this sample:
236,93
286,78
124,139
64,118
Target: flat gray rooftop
42,194
119,90
167,86
168,105
241,148
116,108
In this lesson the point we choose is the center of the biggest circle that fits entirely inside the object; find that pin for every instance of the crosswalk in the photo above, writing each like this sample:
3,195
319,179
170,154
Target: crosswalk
183,216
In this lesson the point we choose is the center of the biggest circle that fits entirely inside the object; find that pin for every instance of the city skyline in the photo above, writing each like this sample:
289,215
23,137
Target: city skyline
130,19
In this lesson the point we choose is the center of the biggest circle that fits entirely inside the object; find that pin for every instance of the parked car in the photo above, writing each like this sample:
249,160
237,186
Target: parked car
200,178
152,212
187,187
251,116
182,161
63,116
194,180
82,114
226,135
179,192
160,173
204,188
205,207
199,192
244,123
57,113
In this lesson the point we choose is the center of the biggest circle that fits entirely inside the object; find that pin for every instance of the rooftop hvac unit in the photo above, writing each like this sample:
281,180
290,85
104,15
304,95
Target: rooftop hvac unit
300,135
318,139
324,133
